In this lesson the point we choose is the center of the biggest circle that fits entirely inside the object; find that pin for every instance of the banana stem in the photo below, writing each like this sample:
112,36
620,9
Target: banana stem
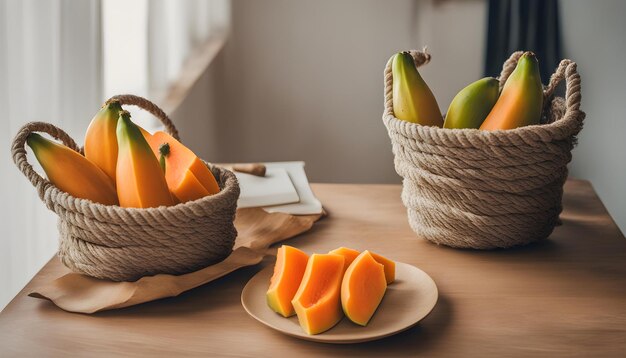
164,150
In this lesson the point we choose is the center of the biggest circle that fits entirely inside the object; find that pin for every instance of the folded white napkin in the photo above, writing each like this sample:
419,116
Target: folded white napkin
285,189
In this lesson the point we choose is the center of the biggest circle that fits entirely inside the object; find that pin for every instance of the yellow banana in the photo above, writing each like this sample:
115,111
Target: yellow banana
101,140
413,101
71,172
472,104
521,100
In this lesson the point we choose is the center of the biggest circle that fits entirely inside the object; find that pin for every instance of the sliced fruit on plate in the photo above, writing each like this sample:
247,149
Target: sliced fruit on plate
317,302
348,254
389,265
363,288
351,254
288,273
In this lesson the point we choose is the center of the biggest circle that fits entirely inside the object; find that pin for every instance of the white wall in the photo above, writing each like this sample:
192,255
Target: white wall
594,34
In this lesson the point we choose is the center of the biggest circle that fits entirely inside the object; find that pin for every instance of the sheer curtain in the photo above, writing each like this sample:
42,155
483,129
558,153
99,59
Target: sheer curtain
49,71
60,60
146,45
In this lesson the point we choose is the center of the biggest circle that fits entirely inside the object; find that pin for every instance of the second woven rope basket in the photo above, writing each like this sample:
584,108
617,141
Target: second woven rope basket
468,188
125,244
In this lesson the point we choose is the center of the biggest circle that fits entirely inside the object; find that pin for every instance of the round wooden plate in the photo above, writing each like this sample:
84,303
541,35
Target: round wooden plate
407,300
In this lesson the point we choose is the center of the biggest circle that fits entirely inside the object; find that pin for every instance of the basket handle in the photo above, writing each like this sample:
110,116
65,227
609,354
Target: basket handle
508,66
419,57
567,70
147,105
18,151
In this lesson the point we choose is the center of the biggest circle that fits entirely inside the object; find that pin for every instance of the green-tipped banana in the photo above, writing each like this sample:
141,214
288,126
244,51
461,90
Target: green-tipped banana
472,104
521,100
71,172
413,101
101,138
140,179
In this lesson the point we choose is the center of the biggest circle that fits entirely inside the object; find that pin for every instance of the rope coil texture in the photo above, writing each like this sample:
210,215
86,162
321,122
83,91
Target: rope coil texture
124,244
468,188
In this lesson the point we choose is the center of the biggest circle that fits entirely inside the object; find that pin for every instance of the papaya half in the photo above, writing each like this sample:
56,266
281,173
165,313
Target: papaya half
288,273
318,299
187,177
363,288
350,255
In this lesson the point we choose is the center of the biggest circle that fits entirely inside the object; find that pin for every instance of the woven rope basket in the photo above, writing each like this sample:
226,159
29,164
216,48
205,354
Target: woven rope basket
469,188
124,244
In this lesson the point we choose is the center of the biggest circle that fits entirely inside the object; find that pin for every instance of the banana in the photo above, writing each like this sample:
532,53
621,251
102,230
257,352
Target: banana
101,140
521,100
71,172
472,104
413,101
140,179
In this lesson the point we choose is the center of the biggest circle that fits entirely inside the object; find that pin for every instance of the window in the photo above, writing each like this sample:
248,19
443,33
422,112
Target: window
64,59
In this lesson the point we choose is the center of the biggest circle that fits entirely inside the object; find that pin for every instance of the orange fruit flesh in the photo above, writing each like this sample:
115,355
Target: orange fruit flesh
318,300
187,176
350,255
288,273
363,288
389,266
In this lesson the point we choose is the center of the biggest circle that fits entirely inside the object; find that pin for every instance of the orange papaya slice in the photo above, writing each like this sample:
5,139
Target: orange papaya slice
351,254
363,288
348,254
288,273
187,176
317,301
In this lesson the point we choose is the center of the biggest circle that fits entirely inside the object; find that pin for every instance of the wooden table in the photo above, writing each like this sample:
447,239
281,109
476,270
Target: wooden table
565,296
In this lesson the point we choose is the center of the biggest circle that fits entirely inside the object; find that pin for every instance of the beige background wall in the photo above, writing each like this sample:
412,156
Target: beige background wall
595,38
302,80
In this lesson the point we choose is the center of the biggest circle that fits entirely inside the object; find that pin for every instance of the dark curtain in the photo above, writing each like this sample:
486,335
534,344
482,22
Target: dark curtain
528,25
